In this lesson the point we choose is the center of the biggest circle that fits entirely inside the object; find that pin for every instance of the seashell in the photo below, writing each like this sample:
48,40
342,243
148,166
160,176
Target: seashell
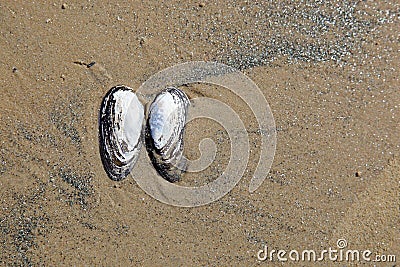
120,131
164,133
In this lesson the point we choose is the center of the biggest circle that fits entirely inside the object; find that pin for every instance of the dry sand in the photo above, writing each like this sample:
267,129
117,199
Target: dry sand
330,73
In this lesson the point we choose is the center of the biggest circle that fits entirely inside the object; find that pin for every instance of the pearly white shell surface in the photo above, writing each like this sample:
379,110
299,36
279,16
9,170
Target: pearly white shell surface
129,118
168,117
120,130
165,130
165,116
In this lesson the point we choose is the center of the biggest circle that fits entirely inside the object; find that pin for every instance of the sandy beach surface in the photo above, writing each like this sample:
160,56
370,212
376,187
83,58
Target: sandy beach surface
329,71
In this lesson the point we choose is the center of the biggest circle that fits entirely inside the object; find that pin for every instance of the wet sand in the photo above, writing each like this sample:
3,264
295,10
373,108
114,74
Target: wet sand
330,74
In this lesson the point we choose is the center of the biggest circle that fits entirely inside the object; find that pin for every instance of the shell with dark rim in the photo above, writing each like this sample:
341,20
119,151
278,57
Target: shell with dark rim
120,131
164,133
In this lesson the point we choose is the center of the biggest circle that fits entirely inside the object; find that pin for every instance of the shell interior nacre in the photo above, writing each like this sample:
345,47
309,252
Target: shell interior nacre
164,132
120,129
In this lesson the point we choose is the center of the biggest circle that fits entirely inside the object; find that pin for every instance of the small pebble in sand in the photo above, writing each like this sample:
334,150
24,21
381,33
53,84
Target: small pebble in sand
90,64
202,4
64,6
143,40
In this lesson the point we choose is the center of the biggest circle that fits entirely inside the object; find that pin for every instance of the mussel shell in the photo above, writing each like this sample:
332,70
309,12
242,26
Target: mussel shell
164,133
120,131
